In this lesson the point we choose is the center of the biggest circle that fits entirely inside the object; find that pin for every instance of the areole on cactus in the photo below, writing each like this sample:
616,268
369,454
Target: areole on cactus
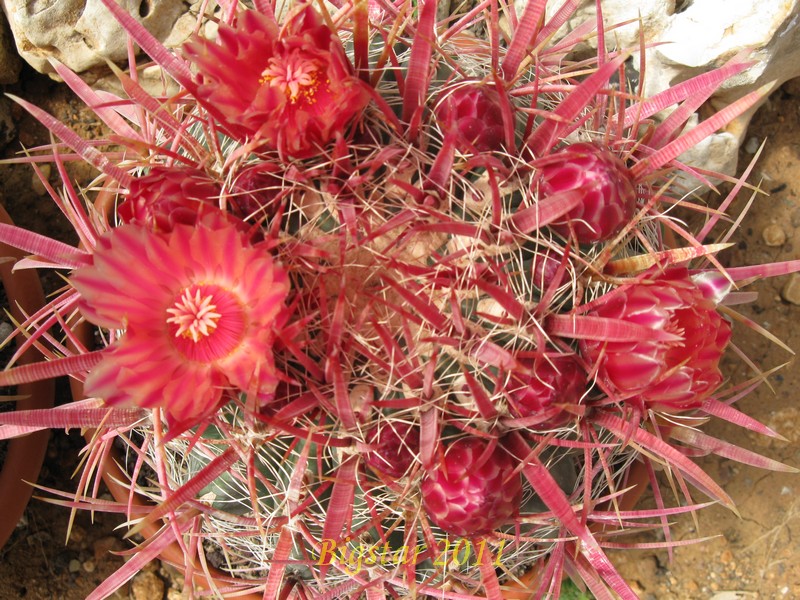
376,282
545,389
393,448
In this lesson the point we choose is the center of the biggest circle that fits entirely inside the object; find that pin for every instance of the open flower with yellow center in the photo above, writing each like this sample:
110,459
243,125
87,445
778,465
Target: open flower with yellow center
290,88
196,308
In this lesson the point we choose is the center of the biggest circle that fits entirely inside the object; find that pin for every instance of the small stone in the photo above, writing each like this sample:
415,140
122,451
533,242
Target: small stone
152,567
74,565
8,130
37,184
173,577
6,329
88,566
77,535
103,546
637,588
791,291
792,87
726,557
751,147
773,235
147,586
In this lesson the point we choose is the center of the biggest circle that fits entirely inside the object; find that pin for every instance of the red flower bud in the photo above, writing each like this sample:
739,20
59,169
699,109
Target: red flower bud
474,111
608,196
671,376
468,493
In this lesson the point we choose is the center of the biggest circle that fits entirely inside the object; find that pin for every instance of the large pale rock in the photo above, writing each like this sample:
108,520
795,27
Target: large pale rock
705,35
623,19
83,35
710,32
689,37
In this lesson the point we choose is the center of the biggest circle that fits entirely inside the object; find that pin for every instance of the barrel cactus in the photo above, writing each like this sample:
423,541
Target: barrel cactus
389,303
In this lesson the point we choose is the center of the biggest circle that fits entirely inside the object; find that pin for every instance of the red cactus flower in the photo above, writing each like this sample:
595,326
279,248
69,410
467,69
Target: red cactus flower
290,88
608,196
473,110
394,448
670,376
197,306
167,196
471,492
550,384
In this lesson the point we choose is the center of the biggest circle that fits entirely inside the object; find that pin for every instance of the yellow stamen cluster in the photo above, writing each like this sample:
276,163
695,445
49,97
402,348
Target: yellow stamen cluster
195,315
296,76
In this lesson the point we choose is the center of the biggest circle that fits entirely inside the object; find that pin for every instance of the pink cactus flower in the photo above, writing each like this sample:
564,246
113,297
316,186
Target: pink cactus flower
197,306
608,196
471,492
542,392
291,88
473,110
669,376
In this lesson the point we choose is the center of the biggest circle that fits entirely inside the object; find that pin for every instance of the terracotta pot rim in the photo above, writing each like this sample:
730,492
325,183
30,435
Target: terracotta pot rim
25,455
